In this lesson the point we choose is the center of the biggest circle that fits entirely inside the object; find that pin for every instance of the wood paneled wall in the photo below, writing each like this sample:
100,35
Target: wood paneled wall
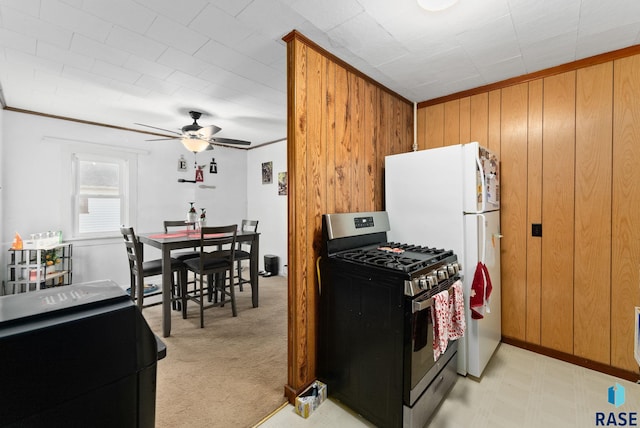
341,125
569,141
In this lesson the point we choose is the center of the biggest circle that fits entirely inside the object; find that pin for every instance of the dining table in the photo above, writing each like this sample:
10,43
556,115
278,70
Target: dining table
189,238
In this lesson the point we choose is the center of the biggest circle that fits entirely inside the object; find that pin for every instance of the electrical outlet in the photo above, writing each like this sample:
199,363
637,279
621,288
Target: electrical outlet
536,229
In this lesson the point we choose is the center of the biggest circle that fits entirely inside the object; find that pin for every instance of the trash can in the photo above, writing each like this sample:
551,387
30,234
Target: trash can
271,264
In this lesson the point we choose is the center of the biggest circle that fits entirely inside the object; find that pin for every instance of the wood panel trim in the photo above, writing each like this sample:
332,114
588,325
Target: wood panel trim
570,66
123,128
295,34
336,121
86,122
578,361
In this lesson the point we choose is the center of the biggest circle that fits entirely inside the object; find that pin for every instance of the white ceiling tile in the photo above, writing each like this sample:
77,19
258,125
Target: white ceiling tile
176,35
327,14
23,23
154,84
74,3
30,7
13,40
235,62
89,47
125,13
151,68
219,54
64,56
115,72
415,22
243,85
128,89
533,21
153,58
218,25
607,41
70,93
32,61
599,16
187,80
232,7
15,76
78,21
492,43
183,11
135,43
221,92
549,52
502,70
181,61
85,77
271,17
450,87
376,48
262,49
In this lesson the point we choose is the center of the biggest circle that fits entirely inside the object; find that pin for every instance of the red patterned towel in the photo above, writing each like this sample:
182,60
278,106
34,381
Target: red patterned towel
458,324
440,317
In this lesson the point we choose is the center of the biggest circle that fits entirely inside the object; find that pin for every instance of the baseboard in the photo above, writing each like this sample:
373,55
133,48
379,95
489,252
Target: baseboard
579,361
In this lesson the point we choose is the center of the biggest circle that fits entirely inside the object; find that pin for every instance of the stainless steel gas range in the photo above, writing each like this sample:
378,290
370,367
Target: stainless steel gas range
375,336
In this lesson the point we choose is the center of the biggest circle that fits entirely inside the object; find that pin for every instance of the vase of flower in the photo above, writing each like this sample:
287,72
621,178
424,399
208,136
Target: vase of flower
203,217
192,215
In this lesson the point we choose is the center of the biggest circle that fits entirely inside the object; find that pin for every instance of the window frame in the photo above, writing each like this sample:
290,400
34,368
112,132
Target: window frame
127,162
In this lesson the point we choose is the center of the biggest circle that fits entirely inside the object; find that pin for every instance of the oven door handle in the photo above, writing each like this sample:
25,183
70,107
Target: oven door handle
421,305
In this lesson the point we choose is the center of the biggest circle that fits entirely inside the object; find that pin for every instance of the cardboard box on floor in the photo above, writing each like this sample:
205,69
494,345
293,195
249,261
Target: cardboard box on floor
311,398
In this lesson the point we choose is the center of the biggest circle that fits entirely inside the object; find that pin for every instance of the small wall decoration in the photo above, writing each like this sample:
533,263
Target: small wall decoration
199,174
213,166
267,172
282,183
182,164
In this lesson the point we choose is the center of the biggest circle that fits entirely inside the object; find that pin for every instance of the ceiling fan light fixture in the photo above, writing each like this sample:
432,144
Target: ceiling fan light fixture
195,145
436,5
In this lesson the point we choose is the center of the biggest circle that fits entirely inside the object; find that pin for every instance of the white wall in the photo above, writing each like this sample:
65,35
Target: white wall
33,193
1,180
265,205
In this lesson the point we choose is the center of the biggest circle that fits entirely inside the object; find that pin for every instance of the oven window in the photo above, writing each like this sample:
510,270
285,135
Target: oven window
421,346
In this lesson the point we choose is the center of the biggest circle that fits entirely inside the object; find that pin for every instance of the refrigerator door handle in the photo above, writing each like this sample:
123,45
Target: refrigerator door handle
483,241
483,183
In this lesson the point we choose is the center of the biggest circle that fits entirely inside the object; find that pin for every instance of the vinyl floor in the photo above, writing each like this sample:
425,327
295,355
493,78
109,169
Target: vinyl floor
518,389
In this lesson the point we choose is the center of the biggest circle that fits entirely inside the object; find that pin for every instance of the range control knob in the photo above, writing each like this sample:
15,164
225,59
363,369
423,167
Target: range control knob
442,274
423,283
432,279
452,268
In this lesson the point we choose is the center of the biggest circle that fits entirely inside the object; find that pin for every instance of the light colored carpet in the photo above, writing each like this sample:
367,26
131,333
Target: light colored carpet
232,372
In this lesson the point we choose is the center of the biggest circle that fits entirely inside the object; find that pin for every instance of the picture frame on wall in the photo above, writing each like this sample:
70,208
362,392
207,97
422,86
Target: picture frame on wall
282,183
267,172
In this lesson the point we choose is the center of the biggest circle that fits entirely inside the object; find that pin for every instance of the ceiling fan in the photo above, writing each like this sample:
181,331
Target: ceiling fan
197,138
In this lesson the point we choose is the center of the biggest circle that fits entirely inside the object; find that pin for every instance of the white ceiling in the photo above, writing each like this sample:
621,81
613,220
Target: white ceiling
120,62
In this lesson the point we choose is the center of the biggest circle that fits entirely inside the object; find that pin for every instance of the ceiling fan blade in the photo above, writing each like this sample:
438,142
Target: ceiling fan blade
160,129
231,141
164,139
206,132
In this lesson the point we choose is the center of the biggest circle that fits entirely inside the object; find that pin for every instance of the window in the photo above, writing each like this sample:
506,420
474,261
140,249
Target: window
102,187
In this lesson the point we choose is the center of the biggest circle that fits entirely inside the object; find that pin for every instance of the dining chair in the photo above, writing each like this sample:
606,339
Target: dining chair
243,252
139,269
217,244
175,225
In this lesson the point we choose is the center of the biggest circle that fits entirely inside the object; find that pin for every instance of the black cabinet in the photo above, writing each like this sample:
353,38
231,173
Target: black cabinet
360,343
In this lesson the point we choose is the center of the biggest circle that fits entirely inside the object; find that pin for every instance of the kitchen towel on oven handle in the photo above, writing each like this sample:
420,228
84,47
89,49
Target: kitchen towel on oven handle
441,319
456,310
480,292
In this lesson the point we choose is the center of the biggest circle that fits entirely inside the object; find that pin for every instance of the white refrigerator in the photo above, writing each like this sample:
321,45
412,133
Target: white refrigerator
449,197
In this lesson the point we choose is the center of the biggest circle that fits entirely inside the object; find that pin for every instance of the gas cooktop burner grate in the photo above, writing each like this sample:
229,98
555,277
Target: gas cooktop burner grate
392,255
